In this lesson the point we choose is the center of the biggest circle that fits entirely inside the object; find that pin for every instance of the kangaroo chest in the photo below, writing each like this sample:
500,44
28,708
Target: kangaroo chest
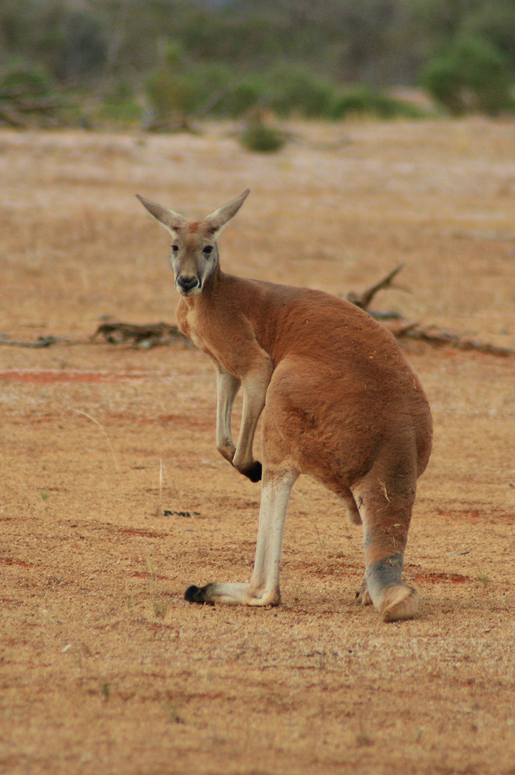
188,323
229,340
196,328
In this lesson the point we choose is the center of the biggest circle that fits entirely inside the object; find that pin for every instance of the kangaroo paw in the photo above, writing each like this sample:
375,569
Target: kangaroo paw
400,602
253,472
196,594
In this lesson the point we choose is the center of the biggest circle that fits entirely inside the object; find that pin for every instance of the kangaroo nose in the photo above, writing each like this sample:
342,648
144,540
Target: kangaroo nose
187,284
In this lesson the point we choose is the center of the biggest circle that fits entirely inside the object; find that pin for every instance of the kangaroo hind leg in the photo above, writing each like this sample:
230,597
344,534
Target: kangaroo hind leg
263,588
385,504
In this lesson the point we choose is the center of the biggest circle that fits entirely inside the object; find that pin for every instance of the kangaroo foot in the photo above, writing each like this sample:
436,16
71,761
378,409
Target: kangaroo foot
399,602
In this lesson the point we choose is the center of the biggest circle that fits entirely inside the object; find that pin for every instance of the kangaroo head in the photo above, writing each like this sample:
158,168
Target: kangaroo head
194,255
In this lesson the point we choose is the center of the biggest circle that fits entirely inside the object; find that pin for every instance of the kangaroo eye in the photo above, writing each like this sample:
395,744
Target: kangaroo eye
208,249
175,248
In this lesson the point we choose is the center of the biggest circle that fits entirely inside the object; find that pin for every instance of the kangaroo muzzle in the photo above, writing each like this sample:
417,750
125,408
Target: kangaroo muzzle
187,286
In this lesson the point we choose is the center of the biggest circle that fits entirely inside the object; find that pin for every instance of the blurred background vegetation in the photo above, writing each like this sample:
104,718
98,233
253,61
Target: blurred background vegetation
163,64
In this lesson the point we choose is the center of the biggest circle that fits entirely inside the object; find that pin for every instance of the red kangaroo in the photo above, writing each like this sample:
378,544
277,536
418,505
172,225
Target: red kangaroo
339,403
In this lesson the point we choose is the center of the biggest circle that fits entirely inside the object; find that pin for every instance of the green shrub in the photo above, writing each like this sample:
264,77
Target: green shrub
119,106
295,90
364,101
214,89
243,96
262,139
173,53
495,24
26,82
120,111
471,76
174,93
214,76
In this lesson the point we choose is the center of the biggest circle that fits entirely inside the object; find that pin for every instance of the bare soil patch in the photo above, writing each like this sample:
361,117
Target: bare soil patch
113,498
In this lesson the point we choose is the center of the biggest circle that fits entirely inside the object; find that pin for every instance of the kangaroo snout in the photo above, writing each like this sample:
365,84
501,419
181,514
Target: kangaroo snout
187,285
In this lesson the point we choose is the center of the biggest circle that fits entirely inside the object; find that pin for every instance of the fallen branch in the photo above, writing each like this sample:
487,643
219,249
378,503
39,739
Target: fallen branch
42,341
363,300
439,337
145,336
433,335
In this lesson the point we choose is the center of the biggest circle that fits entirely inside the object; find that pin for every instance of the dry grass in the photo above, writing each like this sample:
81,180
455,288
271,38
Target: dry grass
104,667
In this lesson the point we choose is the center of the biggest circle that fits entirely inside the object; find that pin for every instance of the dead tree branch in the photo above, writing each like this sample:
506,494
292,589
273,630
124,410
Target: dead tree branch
439,337
145,336
432,335
363,300
42,341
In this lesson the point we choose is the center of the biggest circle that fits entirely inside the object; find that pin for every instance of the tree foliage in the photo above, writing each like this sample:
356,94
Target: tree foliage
183,54
472,75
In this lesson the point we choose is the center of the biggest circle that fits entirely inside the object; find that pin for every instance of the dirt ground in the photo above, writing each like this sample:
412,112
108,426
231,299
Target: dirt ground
113,498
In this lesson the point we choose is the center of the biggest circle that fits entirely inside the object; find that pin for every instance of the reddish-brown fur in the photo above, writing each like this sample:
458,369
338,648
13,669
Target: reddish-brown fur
342,405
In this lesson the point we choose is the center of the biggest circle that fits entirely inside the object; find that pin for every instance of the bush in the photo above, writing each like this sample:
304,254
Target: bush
26,82
214,89
294,90
174,93
363,100
496,24
471,76
262,139
120,107
242,97
288,91
180,92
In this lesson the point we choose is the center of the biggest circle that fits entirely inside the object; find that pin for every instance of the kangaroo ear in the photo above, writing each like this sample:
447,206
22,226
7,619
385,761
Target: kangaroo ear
170,220
217,220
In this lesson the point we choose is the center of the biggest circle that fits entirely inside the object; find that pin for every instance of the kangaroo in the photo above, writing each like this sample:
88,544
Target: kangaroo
339,401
